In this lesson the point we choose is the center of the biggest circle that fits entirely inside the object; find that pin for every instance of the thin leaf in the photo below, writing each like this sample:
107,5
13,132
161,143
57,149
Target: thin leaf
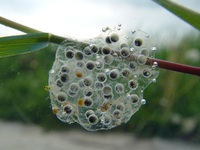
21,44
186,14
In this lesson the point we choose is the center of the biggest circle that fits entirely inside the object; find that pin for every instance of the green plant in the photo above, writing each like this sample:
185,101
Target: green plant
185,14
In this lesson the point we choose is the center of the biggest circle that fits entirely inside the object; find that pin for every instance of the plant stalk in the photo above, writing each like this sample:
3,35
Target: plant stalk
175,66
17,26
52,38
58,39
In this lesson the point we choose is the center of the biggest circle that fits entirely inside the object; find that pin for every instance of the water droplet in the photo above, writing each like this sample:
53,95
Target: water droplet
97,56
115,54
155,64
107,71
117,114
104,29
154,49
132,49
51,71
133,32
154,80
143,101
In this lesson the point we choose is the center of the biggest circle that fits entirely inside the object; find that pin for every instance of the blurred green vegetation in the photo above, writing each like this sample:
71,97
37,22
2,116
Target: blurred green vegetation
173,103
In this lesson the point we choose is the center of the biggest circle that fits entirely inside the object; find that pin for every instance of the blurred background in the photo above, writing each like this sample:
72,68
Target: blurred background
173,102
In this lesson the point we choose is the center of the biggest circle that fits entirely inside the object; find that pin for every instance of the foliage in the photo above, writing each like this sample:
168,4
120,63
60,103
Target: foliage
15,45
184,13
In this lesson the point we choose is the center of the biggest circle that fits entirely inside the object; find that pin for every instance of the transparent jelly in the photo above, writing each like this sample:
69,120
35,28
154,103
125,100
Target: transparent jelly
100,86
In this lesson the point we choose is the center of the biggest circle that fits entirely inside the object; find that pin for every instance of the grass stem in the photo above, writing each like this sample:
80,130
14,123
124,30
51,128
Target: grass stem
58,39
175,66
17,26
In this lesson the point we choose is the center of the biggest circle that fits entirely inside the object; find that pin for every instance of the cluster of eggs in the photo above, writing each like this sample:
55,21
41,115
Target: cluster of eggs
100,85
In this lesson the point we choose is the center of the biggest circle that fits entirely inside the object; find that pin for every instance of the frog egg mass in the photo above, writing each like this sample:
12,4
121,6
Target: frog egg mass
101,85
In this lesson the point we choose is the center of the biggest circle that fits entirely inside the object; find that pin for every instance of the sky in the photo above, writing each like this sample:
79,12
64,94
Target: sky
83,19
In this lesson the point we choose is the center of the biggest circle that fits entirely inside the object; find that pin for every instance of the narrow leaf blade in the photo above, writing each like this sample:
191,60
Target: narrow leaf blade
184,13
21,44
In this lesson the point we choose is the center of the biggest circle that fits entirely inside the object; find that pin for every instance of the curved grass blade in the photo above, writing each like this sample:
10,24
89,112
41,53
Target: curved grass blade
21,44
184,13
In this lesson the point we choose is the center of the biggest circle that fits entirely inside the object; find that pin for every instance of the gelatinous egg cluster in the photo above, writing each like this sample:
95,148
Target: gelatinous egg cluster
100,86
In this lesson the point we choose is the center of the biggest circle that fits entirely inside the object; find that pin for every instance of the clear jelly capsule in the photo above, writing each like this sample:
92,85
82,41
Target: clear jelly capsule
98,85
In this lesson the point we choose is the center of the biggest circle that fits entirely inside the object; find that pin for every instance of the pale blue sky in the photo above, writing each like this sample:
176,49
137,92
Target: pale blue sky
85,18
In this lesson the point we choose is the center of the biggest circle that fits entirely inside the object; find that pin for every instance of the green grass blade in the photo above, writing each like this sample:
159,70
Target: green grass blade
21,44
186,14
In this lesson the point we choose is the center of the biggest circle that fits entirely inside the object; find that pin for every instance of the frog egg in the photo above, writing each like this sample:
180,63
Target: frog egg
68,109
89,113
106,50
69,54
114,74
64,78
94,48
93,119
99,65
90,65
87,51
120,107
80,102
124,52
117,114
87,81
107,90
61,97
88,92
126,72
107,40
74,88
88,102
146,72
114,37
101,77
138,42
108,97
78,72
55,109
81,83
134,98
133,84
99,85
108,59
106,119
72,94
133,65
80,64
144,52
65,69
141,59
105,106
78,55
119,88
59,83
123,45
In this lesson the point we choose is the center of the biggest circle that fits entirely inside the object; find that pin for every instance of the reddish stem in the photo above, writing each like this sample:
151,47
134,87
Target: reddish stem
175,66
